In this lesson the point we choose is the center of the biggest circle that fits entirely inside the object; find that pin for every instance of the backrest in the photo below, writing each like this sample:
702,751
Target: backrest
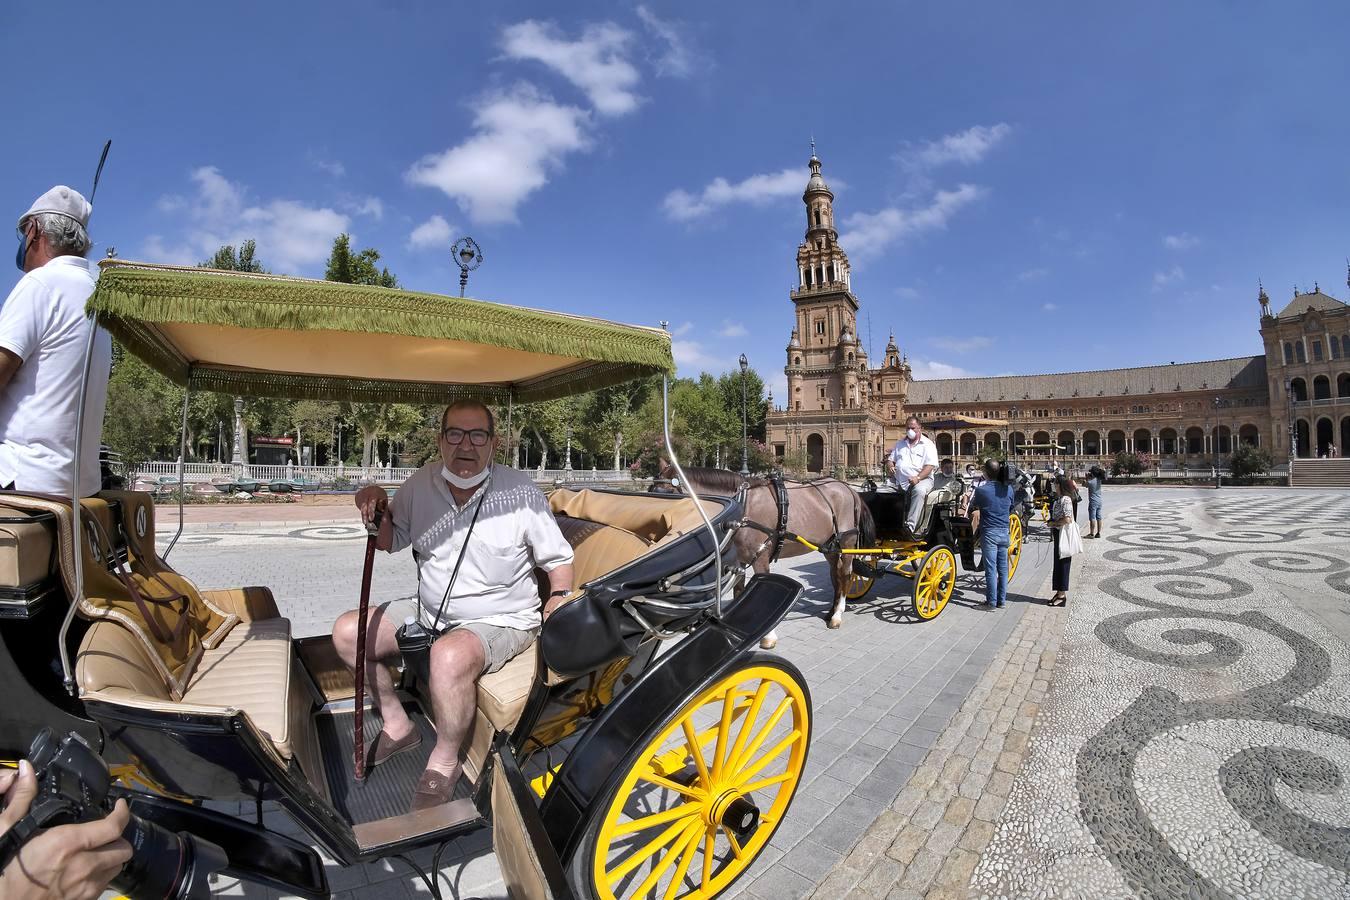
599,549
26,556
655,519
162,610
113,661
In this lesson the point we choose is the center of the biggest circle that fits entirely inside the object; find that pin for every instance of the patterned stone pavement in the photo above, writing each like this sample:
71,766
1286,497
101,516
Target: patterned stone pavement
883,688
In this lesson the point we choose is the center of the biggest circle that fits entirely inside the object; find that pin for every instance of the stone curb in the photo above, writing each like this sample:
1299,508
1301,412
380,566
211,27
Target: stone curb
930,839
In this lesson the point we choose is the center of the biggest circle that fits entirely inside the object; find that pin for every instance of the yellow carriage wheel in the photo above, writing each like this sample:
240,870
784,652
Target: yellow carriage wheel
700,800
934,582
1014,544
858,585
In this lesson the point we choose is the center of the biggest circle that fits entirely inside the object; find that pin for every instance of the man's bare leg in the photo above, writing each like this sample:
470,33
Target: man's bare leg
381,644
457,659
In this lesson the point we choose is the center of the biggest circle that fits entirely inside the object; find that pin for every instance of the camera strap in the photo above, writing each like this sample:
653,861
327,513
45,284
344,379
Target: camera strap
454,574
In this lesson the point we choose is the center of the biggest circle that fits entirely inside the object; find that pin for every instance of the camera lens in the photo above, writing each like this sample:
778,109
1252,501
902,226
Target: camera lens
167,864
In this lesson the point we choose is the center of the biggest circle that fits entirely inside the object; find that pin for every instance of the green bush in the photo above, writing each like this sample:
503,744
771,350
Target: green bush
1127,464
986,453
1249,460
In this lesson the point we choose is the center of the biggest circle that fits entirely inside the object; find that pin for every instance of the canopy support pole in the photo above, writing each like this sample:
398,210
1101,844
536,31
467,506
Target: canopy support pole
510,434
689,489
182,465
67,674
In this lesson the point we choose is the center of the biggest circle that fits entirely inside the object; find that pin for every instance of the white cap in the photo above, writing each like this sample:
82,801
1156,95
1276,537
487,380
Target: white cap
63,200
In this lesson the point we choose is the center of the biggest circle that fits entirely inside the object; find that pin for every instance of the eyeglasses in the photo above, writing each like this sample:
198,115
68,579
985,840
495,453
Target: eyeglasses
477,436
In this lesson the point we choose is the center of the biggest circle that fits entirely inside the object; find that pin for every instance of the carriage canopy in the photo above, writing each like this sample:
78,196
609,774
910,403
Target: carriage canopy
269,335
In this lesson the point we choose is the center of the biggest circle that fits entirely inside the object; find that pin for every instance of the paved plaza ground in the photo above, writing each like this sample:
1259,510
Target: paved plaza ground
1181,729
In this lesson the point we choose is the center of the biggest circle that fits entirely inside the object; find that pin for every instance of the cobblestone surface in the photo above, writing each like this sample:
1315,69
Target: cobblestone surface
884,687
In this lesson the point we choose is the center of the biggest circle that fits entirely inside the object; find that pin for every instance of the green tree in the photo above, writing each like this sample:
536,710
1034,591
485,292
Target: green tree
141,421
356,268
1127,464
756,407
244,261
1248,460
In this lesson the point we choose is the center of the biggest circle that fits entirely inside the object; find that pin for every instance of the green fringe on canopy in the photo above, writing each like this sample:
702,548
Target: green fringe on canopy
131,299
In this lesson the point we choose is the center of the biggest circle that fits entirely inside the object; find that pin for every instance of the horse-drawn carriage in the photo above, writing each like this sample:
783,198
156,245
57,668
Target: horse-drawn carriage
608,760
943,534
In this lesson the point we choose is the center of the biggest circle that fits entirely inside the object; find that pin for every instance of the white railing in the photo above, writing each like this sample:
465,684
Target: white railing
195,473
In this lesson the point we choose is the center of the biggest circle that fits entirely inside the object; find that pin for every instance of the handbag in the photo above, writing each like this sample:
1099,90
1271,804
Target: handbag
1070,542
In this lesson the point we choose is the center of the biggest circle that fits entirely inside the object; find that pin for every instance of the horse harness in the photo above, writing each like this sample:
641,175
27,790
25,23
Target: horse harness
779,534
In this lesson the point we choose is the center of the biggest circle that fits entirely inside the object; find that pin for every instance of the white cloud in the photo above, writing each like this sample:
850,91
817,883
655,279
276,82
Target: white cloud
1033,274
870,233
597,62
1171,276
967,147
434,232
928,369
907,293
290,234
682,329
1183,241
732,329
963,345
521,136
683,206
370,206
1049,307
678,58
331,166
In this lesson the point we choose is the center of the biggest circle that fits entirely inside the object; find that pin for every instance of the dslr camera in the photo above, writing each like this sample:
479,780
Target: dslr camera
74,785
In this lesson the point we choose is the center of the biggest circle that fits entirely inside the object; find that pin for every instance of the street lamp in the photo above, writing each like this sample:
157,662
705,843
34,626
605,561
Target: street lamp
745,432
1293,450
466,254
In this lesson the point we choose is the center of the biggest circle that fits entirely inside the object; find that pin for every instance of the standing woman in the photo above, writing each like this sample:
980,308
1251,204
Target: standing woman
1067,540
990,511
1096,478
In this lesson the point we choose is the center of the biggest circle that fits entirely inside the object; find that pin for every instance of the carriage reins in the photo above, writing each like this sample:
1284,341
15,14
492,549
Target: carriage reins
778,535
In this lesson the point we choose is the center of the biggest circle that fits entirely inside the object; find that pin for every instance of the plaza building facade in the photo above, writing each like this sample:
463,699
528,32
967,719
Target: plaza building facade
843,414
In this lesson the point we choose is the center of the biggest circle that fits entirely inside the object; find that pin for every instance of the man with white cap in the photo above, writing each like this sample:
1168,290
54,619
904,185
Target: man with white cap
43,336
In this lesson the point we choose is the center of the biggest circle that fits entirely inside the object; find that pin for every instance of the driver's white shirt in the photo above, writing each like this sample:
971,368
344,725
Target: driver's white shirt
515,532
911,456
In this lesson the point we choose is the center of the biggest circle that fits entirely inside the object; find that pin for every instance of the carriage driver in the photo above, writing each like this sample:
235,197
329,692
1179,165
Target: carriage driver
911,466
459,511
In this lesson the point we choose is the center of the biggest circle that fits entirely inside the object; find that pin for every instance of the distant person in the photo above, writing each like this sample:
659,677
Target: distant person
1096,478
1061,518
911,465
946,472
43,337
990,513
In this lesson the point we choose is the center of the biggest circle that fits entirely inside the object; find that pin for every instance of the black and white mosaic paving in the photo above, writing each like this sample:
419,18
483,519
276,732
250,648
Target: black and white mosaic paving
1195,741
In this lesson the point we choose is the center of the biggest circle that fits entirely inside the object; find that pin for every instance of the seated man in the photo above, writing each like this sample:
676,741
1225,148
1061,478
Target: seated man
946,472
911,465
479,531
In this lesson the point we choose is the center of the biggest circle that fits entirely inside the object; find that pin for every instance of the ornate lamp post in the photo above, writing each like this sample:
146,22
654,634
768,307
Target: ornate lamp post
1293,434
745,459
466,254
237,459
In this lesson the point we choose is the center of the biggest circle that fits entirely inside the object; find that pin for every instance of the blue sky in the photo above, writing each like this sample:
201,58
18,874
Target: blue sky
1021,187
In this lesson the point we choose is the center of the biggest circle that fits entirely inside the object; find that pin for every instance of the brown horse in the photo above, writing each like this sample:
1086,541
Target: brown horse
827,512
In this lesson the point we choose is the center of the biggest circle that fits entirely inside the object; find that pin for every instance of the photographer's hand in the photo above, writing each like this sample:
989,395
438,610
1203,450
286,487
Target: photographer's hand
69,861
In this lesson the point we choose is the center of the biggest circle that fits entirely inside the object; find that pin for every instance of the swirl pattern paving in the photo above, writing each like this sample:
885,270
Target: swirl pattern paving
1195,741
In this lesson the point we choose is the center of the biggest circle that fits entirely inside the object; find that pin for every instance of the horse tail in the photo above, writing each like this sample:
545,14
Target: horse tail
867,527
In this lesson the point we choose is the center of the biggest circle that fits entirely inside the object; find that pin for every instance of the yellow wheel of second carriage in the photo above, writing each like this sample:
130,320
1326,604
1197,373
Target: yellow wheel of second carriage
859,585
1014,544
701,798
934,582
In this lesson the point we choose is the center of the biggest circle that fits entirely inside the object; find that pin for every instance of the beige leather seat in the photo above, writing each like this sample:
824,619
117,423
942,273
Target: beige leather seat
935,497
26,550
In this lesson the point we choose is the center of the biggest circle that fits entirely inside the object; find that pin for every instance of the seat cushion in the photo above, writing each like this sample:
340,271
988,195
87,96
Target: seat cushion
502,694
598,549
26,556
250,670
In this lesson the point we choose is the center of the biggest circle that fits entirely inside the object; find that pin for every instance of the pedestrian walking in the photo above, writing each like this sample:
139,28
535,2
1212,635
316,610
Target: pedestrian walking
1096,478
991,509
1067,541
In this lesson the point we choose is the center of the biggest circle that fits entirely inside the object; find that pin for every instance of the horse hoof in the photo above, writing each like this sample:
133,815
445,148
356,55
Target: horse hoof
768,643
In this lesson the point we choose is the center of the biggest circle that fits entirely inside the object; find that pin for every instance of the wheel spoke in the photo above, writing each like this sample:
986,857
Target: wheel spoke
687,837
686,857
696,751
762,734
709,848
735,847
692,793
674,832
765,782
748,723
728,702
769,757
683,811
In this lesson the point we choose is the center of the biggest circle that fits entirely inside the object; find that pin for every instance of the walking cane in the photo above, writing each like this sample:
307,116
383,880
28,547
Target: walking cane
359,745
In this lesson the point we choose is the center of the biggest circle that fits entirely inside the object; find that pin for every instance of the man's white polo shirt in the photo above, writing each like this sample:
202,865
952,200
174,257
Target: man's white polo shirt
515,532
911,456
43,323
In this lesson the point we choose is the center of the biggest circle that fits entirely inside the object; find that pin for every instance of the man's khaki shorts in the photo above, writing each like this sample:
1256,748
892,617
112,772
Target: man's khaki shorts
500,644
